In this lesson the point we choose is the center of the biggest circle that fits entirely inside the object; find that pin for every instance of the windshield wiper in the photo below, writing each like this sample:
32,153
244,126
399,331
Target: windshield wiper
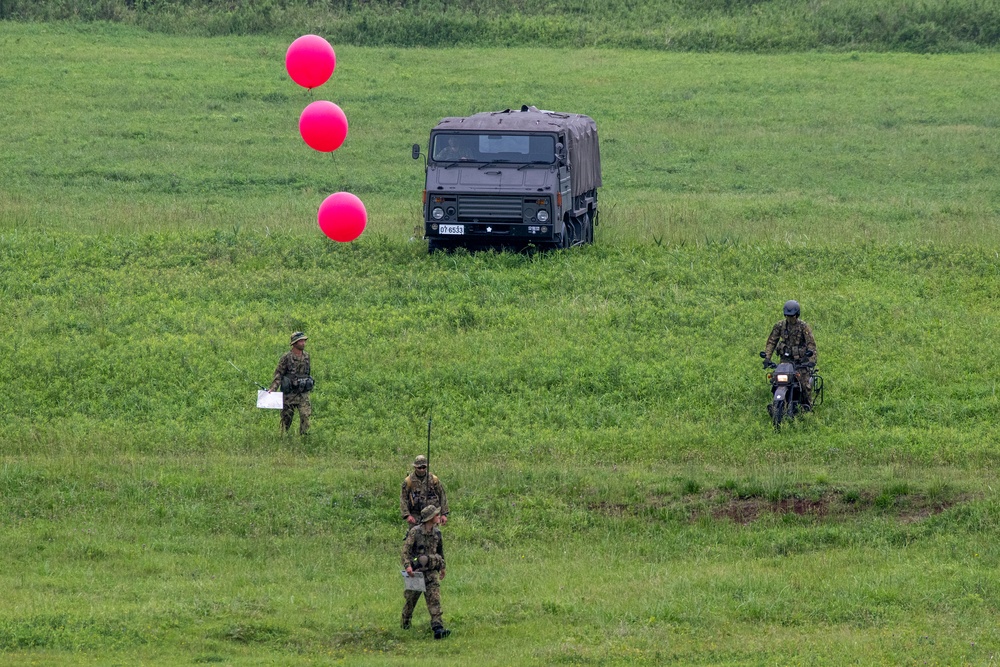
493,162
534,164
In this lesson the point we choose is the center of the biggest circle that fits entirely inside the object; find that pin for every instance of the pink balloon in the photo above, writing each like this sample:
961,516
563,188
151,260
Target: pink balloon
323,126
342,217
310,61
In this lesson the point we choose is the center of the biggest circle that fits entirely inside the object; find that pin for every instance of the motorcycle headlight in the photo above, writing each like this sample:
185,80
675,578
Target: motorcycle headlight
437,213
782,377
543,216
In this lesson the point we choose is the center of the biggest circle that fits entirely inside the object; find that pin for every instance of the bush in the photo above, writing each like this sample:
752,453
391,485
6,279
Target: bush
680,25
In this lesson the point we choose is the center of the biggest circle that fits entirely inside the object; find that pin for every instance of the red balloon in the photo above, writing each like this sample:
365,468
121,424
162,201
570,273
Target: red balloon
310,61
342,217
323,126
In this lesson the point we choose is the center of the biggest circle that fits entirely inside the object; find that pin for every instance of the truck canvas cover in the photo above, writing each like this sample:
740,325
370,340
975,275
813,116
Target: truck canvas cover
580,131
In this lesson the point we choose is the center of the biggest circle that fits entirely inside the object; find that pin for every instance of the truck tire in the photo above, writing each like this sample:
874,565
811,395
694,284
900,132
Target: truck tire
575,232
567,235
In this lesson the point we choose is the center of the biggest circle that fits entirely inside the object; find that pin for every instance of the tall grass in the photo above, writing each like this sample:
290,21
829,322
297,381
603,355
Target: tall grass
831,178
611,355
617,493
677,25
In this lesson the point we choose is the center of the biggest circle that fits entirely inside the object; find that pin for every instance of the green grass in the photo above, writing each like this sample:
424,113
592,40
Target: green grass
616,353
806,149
672,25
280,557
618,495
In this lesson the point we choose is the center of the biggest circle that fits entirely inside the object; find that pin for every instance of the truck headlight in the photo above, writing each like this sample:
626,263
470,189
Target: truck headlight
437,213
543,216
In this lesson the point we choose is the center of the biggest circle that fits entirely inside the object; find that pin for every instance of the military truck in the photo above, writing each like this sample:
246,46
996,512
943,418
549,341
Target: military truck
511,178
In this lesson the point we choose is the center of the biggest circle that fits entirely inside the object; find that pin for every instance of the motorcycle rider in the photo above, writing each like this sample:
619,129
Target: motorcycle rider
793,340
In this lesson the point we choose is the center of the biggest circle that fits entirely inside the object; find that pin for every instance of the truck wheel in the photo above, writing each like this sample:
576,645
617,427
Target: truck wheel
576,232
588,228
567,236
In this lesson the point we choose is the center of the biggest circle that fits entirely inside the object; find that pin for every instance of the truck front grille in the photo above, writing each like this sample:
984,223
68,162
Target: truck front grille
473,208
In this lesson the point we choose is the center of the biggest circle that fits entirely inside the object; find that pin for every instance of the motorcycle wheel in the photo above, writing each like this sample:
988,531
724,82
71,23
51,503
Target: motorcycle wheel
777,410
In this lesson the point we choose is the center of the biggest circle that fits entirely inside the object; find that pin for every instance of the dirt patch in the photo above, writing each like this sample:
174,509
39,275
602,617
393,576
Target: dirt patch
748,510
834,505
931,507
829,504
611,509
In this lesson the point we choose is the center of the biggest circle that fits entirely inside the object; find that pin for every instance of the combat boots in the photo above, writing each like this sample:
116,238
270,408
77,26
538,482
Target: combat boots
404,623
440,632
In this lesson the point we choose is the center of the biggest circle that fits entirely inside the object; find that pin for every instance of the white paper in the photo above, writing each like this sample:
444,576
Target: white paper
414,583
270,400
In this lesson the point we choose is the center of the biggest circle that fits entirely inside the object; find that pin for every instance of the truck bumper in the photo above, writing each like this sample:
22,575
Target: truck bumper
489,232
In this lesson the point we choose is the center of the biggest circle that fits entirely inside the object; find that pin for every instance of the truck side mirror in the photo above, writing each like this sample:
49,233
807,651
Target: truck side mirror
416,151
560,152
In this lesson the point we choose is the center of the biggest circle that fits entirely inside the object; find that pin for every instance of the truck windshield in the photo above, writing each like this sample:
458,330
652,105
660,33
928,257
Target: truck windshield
471,147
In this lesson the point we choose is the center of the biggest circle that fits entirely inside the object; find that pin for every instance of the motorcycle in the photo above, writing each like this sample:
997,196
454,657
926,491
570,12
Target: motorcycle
786,393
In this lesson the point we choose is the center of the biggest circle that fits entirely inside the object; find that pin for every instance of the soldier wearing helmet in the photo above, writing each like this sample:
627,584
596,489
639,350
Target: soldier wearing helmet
793,340
421,489
293,376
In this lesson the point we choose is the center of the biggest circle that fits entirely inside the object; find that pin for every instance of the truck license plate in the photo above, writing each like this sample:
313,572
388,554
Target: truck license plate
451,229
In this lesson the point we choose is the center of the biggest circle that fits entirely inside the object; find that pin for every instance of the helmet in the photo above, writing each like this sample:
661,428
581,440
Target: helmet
421,460
297,336
428,513
791,308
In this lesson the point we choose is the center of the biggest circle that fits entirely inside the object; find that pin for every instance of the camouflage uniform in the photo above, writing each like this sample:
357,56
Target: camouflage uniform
791,341
296,366
421,543
420,492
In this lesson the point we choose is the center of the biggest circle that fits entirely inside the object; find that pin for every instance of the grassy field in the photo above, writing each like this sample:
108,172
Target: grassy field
617,492
111,130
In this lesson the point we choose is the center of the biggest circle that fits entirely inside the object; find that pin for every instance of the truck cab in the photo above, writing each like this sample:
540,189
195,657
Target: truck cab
511,179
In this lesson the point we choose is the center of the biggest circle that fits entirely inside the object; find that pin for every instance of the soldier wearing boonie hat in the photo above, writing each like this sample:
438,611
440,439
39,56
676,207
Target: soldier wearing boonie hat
293,376
423,551
420,489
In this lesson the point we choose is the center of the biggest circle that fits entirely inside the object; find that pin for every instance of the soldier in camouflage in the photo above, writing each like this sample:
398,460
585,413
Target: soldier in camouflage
293,377
420,489
423,551
793,340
